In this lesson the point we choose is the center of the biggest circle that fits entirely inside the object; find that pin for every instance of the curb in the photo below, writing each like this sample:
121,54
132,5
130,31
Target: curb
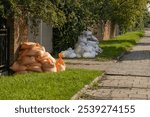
120,56
79,93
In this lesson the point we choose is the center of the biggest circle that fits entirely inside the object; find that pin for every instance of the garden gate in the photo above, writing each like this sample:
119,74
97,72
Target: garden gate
4,47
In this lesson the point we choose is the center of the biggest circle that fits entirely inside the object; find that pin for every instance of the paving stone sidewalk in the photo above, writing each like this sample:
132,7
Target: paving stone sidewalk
128,79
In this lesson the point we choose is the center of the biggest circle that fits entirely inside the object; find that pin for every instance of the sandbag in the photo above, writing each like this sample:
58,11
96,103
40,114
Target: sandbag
79,50
45,56
34,68
82,39
52,69
36,64
87,33
47,64
28,45
16,67
62,68
34,58
69,53
34,52
92,43
87,44
88,48
78,55
22,53
89,55
43,48
94,39
72,55
26,60
60,65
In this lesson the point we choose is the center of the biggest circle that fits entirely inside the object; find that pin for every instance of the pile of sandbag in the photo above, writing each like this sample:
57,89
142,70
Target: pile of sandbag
86,47
34,58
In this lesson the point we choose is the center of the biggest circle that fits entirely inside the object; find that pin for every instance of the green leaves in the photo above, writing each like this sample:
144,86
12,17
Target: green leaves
45,10
78,18
71,17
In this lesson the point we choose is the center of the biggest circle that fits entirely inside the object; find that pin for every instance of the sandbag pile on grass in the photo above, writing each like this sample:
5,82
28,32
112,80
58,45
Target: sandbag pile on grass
86,47
34,58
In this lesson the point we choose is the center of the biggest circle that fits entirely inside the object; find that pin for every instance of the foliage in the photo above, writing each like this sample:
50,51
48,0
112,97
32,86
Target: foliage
78,19
43,9
126,13
45,86
147,17
114,47
70,17
34,10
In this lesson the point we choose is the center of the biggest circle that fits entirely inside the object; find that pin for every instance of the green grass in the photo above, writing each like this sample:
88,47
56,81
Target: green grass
45,86
116,46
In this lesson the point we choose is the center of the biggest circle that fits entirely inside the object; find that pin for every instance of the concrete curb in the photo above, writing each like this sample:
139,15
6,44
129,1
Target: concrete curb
79,93
120,56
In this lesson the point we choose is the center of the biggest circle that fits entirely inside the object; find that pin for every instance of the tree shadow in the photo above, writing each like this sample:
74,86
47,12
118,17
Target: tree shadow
143,44
114,48
147,36
137,55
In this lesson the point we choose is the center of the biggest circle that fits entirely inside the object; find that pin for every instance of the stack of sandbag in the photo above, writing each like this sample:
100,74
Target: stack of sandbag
86,47
34,58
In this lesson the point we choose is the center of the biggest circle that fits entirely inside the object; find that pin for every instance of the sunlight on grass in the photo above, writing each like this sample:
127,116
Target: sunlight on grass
45,86
114,47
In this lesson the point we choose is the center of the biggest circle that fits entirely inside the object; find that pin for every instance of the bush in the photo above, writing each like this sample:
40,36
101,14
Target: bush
67,35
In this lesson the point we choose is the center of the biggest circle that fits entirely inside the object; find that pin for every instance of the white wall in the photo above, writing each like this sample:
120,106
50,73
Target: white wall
45,36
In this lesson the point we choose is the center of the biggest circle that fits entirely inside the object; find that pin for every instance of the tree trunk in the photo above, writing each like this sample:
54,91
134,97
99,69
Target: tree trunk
114,30
106,30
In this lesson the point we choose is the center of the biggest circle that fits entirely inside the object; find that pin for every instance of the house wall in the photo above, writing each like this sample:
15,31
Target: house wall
44,37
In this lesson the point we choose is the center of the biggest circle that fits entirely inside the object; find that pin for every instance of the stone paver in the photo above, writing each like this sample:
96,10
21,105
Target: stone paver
128,79
126,88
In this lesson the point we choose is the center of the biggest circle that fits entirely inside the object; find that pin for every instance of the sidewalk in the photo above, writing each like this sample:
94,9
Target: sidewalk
128,79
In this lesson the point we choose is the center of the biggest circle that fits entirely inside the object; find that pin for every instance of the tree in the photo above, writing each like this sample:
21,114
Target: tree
78,18
125,13
34,10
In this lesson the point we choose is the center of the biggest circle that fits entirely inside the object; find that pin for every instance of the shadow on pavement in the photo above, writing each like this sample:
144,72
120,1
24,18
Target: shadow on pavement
137,55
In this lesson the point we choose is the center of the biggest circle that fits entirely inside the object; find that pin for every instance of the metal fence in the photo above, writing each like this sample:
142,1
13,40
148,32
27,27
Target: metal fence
4,50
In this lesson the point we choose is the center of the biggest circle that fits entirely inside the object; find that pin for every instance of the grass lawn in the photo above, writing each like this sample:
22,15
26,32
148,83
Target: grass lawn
45,86
114,47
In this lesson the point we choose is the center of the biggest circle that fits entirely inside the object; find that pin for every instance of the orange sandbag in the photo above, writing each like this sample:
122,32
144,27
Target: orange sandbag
38,47
28,45
17,67
45,56
36,64
43,48
22,53
34,68
48,66
50,69
60,65
34,52
26,60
